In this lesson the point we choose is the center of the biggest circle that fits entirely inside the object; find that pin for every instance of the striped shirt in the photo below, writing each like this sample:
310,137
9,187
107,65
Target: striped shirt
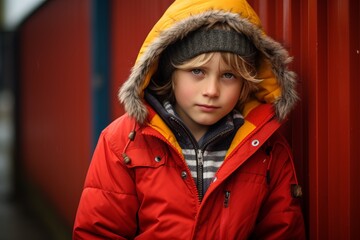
209,152
212,162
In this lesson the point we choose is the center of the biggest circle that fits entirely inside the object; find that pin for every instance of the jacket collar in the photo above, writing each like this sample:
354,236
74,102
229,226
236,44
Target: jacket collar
222,130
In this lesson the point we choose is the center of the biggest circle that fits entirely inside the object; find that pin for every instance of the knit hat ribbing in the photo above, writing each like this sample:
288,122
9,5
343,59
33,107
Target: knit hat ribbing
203,41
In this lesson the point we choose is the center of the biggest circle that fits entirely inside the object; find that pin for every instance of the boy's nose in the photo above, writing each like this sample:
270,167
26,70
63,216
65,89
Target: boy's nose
211,88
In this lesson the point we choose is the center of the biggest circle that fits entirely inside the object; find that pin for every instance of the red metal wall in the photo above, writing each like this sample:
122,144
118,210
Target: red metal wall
55,103
323,36
131,22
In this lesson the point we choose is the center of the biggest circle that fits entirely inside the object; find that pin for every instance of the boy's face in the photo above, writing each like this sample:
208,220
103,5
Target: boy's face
205,94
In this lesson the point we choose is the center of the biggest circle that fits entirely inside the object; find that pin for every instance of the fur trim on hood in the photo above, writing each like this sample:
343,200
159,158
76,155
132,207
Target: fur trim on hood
183,16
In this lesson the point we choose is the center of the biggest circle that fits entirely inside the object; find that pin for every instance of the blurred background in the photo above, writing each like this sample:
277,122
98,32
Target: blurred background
63,61
58,90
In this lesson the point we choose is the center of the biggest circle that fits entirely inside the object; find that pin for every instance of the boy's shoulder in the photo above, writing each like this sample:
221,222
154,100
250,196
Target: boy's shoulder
119,129
117,134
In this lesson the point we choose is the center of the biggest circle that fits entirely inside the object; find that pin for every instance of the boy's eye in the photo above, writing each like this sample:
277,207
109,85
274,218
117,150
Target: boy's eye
229,75
196,71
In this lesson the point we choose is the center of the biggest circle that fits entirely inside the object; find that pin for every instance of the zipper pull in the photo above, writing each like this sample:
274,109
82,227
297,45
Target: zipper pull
200,158
226,199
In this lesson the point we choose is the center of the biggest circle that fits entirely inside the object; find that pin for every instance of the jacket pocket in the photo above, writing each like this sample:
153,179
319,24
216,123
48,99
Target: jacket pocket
151,158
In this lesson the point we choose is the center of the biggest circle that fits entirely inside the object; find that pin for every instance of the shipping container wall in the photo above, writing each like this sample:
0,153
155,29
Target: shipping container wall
54,105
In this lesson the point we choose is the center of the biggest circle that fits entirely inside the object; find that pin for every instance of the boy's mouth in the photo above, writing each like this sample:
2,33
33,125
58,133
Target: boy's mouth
207,108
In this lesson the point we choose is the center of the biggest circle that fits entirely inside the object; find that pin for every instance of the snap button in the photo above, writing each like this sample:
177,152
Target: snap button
183,174
157,159
255,143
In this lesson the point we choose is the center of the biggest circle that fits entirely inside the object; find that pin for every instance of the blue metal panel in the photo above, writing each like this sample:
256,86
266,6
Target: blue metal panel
100,85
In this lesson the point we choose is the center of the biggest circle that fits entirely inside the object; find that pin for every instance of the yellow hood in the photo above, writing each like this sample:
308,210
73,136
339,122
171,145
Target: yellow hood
184,16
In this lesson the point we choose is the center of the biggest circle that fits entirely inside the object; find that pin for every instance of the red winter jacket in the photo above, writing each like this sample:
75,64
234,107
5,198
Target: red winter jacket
154,197
139,186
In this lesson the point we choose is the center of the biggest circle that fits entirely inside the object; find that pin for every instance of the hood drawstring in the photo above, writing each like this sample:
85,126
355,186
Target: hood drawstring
131,138
296,191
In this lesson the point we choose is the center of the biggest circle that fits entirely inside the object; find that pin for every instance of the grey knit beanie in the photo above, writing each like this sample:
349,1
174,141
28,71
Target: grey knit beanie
203,41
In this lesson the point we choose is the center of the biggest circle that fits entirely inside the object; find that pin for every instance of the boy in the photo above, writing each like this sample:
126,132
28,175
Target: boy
197,155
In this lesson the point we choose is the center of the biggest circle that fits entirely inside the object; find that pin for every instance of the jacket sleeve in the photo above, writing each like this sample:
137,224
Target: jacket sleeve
108,204
280,216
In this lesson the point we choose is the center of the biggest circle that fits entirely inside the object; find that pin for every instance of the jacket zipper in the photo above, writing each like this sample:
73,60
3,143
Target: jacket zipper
225,215
226,199
199,158
200,172
200,164
199,161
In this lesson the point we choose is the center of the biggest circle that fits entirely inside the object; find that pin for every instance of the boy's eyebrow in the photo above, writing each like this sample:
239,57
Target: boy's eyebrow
228,70
195,66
